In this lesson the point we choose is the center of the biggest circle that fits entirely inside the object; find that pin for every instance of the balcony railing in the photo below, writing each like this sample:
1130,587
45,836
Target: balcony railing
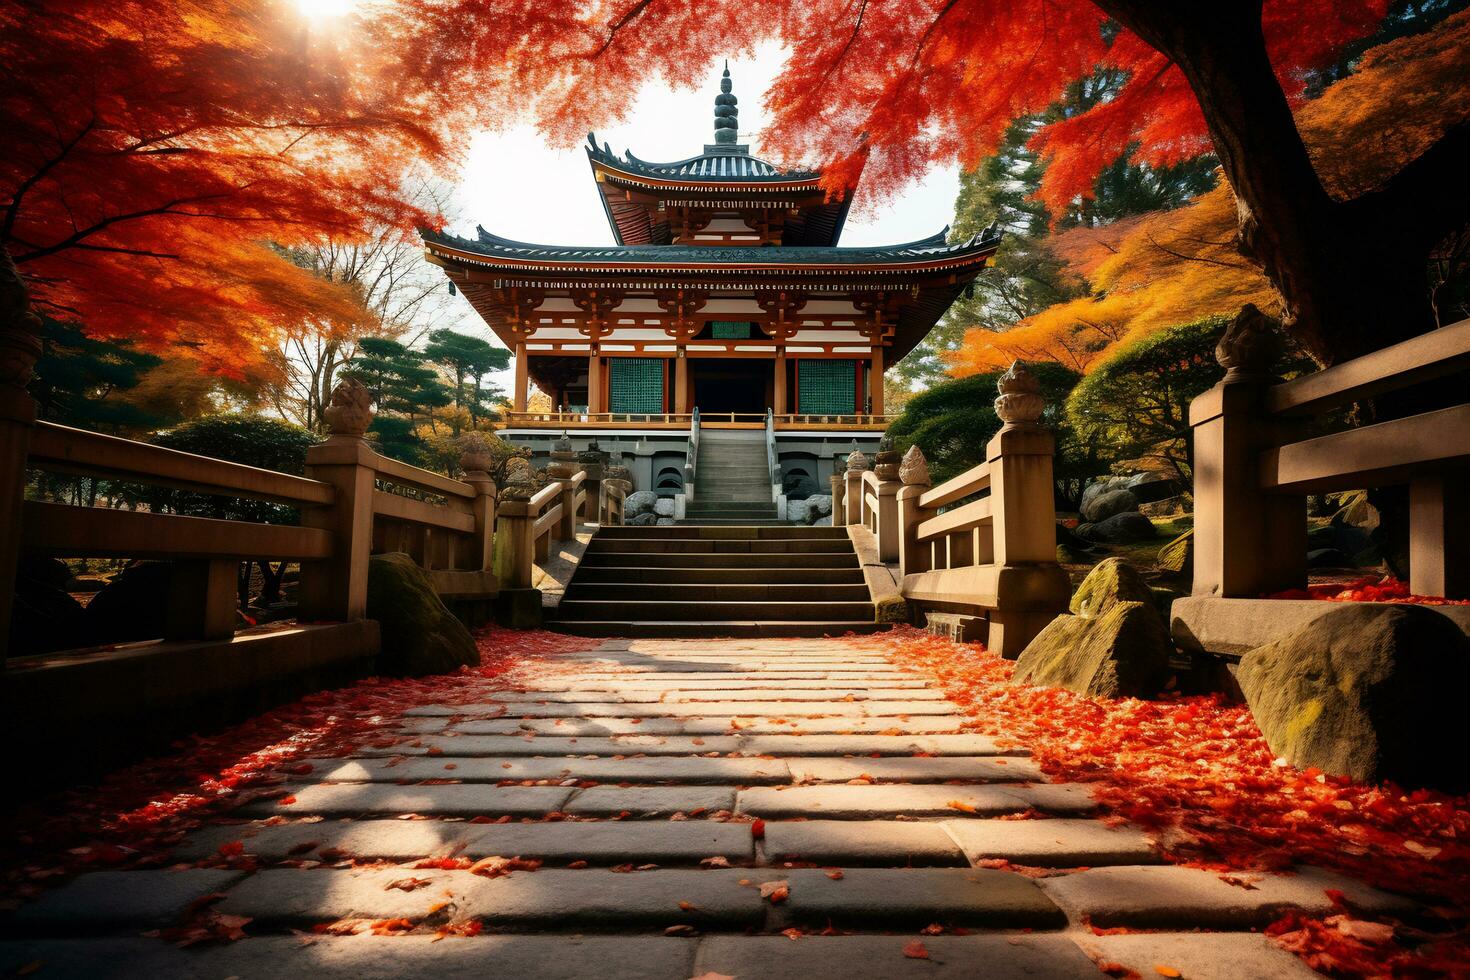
681,420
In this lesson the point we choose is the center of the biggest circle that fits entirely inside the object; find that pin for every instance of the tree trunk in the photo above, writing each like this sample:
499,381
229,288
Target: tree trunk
1352,274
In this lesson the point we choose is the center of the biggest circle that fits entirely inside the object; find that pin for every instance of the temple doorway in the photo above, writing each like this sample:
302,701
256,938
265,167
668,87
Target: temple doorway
724,385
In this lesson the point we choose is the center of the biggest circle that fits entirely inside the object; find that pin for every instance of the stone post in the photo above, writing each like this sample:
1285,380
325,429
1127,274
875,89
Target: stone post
335,589
477,462
913,556
202,599
857,465
1246,542
20,347
564,469
1439,527
885,525
513,543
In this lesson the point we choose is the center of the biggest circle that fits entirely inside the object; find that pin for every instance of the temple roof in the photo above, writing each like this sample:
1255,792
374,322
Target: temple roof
728,162
933,250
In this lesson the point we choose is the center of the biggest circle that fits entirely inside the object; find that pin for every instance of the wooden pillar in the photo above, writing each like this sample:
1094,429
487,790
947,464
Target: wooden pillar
778,403
681,382
523,377
335,589
875,380
596,401
1439,532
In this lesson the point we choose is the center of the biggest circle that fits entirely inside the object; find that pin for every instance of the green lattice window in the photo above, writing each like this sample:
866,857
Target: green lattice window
730,329
635,384
826,388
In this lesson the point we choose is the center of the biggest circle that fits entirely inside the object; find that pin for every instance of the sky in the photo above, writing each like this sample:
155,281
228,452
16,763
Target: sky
518,187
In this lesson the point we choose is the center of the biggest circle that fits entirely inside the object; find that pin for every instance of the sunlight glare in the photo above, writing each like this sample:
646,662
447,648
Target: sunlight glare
324,9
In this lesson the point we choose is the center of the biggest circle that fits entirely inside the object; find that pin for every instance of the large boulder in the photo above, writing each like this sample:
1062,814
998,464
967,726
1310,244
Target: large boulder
820,503
641,520
639,502
45,617
1116,643
664,507
1105,505
1150,487
1111,581
823,521
1129,527
1177,557
420,635
1105,485
1369,691
133,606
799,511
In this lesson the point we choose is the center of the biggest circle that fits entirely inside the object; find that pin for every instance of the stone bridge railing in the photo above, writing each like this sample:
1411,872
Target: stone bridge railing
353,503
979,549
1254,466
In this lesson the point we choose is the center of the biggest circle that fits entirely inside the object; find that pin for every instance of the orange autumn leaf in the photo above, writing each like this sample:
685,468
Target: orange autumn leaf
916,950
1166,971
961,806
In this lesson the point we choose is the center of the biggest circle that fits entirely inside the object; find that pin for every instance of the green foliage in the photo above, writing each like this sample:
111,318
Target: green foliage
254,440
468,358
951,422
76,376
1136,402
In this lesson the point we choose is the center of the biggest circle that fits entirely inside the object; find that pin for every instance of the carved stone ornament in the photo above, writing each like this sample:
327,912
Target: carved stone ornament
520,482
1020,401
856,461
886,464
914,471
1249,347
474,454
351,409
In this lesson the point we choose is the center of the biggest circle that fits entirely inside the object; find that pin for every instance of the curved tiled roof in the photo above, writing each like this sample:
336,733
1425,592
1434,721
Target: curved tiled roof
730,165
932,248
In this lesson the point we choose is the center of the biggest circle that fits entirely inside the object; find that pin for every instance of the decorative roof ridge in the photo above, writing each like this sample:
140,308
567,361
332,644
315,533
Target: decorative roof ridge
689,168
934,246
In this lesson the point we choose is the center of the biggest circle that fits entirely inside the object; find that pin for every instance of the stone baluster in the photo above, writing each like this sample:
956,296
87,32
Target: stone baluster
913,556
886,465
1246,542
476,461
335,589
857,465
515,526
563,469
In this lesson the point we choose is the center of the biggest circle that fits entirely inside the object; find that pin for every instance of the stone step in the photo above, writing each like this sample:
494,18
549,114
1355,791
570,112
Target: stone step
843,802
729,708
635,687
845,724
713,559
675,593
731,545
587,575
751,629
693,531
704,611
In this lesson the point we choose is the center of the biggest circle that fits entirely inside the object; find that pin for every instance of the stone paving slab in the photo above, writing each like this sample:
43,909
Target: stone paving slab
916,770
784,694
407,841
925,724
650,801
547,898
843,802
862,842
694,709
894,897
772,745
605,770
379,840
1053,843
112,901
882,958
1170,896
739,682
467,800
1199,955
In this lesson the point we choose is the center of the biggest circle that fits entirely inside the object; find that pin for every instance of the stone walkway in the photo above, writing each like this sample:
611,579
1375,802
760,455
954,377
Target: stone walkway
689,802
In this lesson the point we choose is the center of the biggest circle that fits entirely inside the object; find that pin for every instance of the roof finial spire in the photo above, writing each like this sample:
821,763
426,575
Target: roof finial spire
726,114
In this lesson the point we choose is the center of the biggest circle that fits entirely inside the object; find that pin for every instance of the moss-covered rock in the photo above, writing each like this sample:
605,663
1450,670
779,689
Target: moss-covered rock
1123,652
1177,557
1373,692
1111,580
420,635
1115,644
891,609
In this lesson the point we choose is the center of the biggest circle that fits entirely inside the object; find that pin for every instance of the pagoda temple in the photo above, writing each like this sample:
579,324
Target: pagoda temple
725,299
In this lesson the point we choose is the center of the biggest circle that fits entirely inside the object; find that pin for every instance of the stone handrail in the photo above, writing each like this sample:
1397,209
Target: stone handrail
992,558
1253,471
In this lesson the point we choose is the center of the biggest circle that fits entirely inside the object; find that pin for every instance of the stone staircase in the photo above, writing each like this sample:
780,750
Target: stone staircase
732,484
719,580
